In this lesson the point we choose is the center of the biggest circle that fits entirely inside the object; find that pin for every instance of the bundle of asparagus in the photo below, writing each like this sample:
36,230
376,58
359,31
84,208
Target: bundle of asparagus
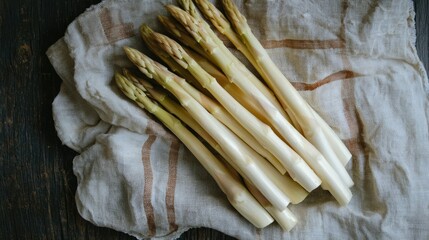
271,153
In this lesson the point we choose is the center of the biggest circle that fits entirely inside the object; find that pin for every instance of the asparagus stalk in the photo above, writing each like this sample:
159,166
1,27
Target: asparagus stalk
310,154
286,219
173,65
261,132
293,190
171,106
236,193
230,87
220,22
234,147
223,26
198,29
214,108
227,56
180,33
284,90
189,7
340,150
228,120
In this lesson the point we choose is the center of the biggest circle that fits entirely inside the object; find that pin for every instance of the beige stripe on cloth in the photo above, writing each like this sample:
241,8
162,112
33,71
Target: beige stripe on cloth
340,75
171,184
302,44
114,32
294,43
148,182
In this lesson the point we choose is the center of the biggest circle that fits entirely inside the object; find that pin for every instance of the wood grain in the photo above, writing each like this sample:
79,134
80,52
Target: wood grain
36,180
422,27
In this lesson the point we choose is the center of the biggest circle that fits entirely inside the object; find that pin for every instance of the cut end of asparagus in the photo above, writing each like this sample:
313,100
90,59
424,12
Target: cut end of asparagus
343,196
309,180
246,203
247,209
286,219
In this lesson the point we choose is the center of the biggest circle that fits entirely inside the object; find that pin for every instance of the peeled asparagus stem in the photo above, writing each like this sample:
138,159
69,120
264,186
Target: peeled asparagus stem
276,145
311,155
230,143
223,26
286,93
293,190
286,219
261,132
180,33
338,146
173,65
214,108
189,7
236,193
225,117
246,101
230,87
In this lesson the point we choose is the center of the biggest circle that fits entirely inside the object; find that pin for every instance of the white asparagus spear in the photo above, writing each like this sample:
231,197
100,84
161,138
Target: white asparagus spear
286,93
340,150
312,156
286,219
296,167
229,142
236,193
222,25
180,33
214,108
292,189
189,7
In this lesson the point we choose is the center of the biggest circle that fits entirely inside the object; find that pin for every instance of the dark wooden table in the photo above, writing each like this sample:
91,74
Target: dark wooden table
37,184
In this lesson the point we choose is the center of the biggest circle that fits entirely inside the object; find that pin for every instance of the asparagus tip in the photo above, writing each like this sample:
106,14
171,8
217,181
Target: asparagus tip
145,29
172,9
162,18
238,20
129,51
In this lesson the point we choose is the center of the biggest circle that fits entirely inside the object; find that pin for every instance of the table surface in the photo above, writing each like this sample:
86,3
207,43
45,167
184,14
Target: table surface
37,184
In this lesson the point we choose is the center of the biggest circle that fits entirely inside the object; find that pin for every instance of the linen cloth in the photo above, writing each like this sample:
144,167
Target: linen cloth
353,61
